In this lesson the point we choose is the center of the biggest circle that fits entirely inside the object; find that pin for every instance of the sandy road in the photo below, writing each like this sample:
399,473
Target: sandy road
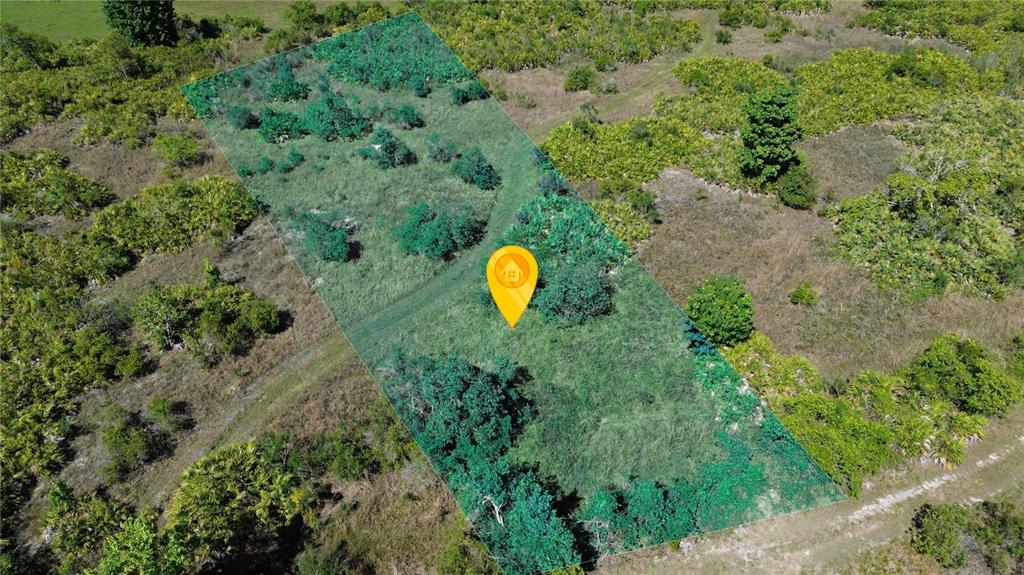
826,539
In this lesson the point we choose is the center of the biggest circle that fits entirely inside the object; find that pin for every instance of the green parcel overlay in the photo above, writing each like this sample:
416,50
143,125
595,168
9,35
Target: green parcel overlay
604,422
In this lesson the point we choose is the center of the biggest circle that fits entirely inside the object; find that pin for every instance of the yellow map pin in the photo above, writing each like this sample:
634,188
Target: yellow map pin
512,276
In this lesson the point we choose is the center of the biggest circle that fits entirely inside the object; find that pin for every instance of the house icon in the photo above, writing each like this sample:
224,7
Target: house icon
511,272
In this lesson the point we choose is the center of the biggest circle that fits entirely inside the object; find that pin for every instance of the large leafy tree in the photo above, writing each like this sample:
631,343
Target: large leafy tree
147,22
768,137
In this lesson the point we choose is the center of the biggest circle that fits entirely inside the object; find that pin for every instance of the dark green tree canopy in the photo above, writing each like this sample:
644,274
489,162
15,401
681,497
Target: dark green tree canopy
771,130
147,22
438,233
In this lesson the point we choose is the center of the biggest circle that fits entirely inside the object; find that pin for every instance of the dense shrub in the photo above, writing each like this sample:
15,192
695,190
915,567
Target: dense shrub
62,349
438,233
796,187
857,86
169,217
141,547
208,321
580,78
277,126
406,116
942,220
234,500
723,36
440,149
630,225
144,22
119,90
474,169
78,525
466,93
721,308
242,118
332,118
936,532
616,32
324,237
287,88
584,151
977,25
129,441
38,182
575,293
768,137
178,151
414,53
721,86
387,151
23,50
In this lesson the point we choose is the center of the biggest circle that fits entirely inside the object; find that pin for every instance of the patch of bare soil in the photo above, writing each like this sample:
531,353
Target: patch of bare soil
855,325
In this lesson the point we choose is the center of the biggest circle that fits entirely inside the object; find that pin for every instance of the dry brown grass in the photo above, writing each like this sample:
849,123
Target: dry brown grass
851,161
855,325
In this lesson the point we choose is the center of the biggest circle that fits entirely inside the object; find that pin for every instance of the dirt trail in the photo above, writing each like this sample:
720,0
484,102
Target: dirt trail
826,539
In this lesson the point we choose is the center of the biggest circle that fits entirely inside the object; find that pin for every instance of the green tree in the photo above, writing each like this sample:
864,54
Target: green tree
440,233
768,137
961,371
147,22
323,237
129,441
937,531
407,117
580,78
242,118
535,538
387,151
722,310
796,187
333,118
474,169
276,126
600,518
287,88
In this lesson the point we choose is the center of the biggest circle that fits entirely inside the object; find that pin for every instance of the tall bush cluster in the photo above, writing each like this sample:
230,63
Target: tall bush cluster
772,129
148,22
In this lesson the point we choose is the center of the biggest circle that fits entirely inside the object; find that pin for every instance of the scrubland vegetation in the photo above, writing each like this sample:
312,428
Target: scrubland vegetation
948,219
987,533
